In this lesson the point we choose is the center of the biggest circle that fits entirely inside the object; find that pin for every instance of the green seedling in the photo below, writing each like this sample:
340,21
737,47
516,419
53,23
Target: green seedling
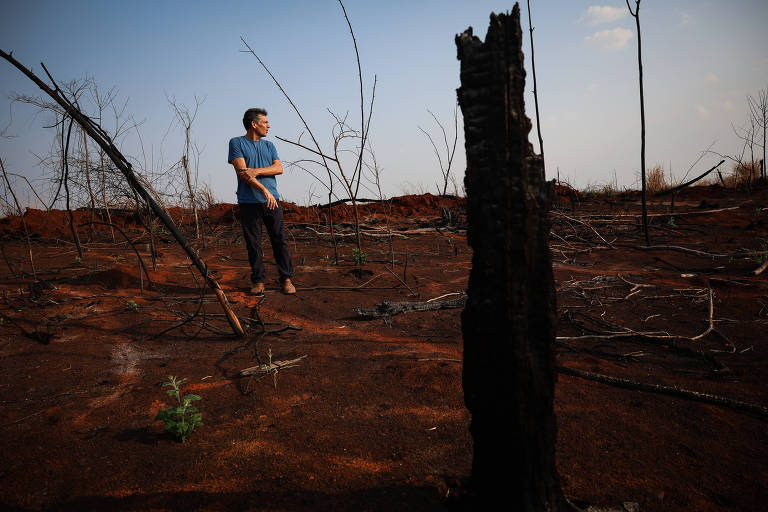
671,222
360,257
78,260
132,306
181,420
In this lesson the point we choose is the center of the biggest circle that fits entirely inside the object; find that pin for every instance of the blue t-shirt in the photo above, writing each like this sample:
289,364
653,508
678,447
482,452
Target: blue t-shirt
257,153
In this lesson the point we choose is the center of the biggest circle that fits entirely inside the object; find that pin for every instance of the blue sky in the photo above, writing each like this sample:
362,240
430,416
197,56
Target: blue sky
701,59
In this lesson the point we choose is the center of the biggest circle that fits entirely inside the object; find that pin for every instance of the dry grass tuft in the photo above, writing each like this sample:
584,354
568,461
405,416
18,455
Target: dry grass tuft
743,175
655,181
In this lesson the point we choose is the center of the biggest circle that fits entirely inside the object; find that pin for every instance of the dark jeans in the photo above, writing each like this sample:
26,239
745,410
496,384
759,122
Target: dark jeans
251,216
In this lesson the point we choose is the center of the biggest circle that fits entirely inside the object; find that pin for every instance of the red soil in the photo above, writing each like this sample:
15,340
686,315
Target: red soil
373,418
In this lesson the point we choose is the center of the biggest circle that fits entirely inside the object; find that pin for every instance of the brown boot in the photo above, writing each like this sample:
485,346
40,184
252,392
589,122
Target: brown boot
287,287
257,289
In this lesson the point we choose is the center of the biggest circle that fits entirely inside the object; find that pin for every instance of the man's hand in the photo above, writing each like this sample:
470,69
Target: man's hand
249,175
252,173
271,201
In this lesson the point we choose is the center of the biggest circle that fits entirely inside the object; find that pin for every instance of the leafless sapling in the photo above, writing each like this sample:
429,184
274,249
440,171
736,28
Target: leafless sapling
186,117
450,151
7,184
636,14
535,89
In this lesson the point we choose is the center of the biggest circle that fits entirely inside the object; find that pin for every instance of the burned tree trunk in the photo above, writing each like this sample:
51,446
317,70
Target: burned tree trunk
508,323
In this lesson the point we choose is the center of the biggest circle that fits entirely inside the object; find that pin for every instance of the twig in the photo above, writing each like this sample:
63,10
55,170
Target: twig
711,328
272,367
635,286
396,277
685,250
759,270
609,244
679,214
445,295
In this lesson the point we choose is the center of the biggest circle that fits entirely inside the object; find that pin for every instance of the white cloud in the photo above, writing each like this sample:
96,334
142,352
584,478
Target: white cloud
728,106
610,40
711,77
703,112
598,14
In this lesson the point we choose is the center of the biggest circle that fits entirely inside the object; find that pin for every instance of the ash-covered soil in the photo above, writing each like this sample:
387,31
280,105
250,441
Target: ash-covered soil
373,417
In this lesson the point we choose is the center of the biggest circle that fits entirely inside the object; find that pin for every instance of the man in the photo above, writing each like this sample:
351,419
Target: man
256,163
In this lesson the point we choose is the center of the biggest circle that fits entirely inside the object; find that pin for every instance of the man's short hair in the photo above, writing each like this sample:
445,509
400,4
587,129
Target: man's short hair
252,114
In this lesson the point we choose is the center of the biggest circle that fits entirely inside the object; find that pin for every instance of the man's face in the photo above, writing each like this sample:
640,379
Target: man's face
261,126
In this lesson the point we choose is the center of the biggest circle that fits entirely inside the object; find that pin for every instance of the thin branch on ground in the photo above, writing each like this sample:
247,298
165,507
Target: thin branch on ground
738,405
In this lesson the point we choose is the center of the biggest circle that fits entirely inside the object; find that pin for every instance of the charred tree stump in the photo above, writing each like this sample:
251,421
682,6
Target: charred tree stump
509,320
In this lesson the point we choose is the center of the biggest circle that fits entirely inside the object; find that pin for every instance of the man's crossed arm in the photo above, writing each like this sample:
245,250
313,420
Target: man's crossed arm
249,175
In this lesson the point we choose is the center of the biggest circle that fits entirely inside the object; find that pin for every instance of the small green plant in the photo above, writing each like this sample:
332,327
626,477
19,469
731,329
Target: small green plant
2,321
359,256
117,258
671,222
132,306
181,420
78,260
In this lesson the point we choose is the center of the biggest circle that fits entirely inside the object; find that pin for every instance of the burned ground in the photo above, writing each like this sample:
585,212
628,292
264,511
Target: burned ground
373,418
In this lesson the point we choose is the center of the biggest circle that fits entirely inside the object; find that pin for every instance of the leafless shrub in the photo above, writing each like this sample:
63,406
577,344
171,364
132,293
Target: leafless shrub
185,116
450,151
752,134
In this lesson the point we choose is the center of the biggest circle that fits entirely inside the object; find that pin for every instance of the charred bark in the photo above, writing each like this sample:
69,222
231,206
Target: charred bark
509,322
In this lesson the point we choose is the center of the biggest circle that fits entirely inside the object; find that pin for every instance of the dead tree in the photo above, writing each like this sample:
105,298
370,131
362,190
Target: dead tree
508,324
186,116
445,169
21,216
535,88
101,101
758,111
636,15
65,179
